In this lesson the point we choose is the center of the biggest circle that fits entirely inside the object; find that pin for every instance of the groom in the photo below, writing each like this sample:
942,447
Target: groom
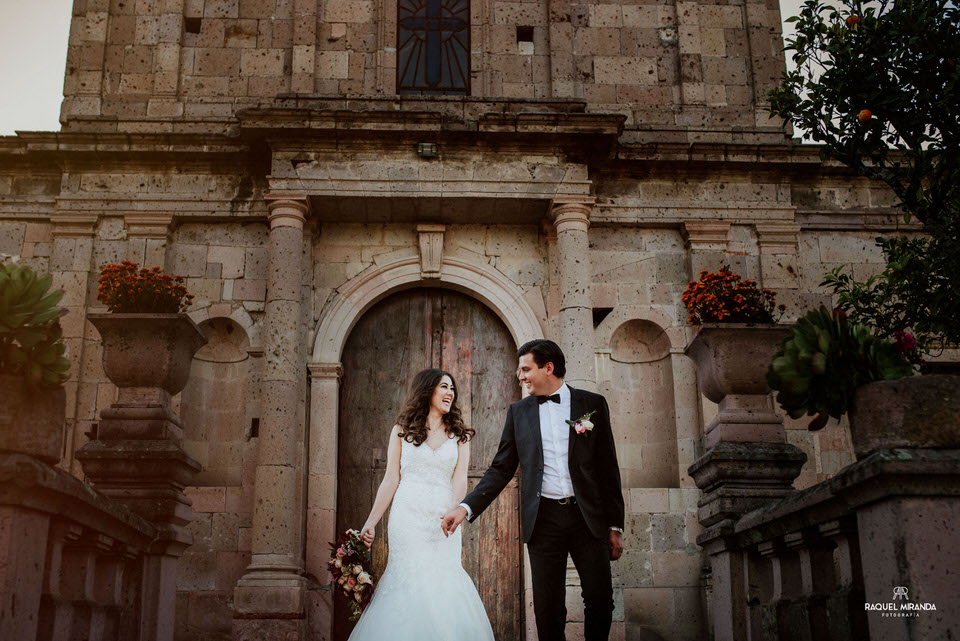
571,500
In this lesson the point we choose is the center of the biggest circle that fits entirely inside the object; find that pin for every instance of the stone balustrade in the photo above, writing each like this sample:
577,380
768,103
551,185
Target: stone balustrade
816,564
71,560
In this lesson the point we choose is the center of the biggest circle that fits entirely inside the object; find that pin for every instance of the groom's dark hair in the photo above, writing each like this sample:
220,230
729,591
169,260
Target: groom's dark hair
544,352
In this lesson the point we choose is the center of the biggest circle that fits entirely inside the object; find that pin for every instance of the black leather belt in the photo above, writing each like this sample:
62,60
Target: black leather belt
567,500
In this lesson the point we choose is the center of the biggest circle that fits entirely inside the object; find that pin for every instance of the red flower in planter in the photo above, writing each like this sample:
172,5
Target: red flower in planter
723,297
127,289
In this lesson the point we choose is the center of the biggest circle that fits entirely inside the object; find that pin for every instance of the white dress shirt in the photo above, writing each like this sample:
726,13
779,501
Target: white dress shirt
555,434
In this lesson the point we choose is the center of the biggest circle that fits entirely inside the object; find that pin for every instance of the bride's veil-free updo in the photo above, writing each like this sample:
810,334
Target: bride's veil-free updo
413,417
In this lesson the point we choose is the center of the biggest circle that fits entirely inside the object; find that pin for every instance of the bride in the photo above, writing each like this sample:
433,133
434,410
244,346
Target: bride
424,593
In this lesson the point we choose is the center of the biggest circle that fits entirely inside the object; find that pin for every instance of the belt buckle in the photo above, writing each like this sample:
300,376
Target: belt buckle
567,500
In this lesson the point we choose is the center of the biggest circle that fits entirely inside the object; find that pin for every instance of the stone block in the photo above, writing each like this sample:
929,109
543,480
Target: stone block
207,499
261,62
249,289
231,259
12,238
678,568
197,570
348,11
649,500
224,530
209,612
519,13
668,532
849,248
625,70
606,15
187,260
648,606
640,15
598,41
221,8
217,62
333,64
241,33
230,567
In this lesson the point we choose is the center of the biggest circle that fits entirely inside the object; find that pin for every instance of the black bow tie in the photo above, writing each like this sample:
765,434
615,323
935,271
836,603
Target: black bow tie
543,399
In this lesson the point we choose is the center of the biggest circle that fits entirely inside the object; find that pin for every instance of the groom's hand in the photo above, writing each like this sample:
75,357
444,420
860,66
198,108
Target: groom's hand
616,545
452,520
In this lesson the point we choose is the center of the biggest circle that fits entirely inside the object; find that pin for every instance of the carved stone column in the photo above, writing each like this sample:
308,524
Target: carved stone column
322,487
269,600
575,323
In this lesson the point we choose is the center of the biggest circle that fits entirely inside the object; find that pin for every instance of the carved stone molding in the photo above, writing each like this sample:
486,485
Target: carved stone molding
74,225
325,370
706,235
431,249
287,210
150,226
778,238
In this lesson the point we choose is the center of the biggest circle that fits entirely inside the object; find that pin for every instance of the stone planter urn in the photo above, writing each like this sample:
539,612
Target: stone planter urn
732,361
148,357
913,412
31,419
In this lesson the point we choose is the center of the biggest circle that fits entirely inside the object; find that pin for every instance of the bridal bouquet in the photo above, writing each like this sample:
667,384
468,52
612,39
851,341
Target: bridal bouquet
350,566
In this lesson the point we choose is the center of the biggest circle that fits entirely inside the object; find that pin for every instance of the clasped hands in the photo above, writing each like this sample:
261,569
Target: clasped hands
452,520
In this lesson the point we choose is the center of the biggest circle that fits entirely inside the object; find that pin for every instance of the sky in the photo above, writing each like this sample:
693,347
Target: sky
33,53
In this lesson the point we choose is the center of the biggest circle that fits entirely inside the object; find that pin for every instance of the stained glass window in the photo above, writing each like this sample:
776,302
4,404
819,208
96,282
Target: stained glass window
433,46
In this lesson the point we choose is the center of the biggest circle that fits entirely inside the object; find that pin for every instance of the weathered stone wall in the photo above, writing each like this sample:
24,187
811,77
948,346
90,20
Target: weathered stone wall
704,66
646,241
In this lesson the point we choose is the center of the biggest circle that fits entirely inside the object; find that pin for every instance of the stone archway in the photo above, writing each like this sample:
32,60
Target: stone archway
475,279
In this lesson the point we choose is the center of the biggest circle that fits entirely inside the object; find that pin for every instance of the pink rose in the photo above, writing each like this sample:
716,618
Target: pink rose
341,552
580,427
351,582
905,341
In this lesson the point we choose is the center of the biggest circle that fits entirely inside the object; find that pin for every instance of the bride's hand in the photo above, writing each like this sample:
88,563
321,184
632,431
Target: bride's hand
368,534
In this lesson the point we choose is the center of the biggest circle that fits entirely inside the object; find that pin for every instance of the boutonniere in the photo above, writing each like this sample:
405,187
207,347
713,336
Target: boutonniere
582,424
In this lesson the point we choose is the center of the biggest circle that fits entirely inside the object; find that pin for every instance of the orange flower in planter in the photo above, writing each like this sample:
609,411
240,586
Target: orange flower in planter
127,289
724,297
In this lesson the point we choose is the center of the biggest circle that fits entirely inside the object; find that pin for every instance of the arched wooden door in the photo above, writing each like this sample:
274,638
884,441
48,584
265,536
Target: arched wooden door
395,339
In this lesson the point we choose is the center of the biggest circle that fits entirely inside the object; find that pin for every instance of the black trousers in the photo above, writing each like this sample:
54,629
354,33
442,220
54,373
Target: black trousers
560,529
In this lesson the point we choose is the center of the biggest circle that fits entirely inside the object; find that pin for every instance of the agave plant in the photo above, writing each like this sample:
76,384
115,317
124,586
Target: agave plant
31,344
824,359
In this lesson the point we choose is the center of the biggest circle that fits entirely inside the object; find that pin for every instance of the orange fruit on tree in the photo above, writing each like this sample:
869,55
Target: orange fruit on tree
852,21
864,115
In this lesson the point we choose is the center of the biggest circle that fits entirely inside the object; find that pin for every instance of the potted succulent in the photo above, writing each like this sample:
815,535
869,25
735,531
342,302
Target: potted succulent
737,335
148,342
829,366
32,364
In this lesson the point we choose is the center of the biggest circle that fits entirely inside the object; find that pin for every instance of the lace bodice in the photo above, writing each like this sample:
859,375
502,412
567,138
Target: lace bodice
423,464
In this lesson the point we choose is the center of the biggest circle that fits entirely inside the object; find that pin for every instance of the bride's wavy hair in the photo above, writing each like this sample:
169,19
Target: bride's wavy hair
413,417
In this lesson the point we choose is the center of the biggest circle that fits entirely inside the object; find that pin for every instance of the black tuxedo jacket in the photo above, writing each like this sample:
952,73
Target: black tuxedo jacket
592,460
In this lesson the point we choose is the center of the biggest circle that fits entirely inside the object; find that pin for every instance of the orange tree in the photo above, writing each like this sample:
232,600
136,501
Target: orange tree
877,84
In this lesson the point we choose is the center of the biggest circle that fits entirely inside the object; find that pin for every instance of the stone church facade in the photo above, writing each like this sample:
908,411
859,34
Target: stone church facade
340,231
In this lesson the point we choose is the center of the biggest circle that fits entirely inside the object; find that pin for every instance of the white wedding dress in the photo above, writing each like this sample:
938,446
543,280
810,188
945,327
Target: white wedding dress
424,593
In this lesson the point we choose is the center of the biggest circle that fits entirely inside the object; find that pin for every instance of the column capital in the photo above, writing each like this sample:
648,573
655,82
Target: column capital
287,210
706,235
155,226
325,370
74,225
571,212
778,237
